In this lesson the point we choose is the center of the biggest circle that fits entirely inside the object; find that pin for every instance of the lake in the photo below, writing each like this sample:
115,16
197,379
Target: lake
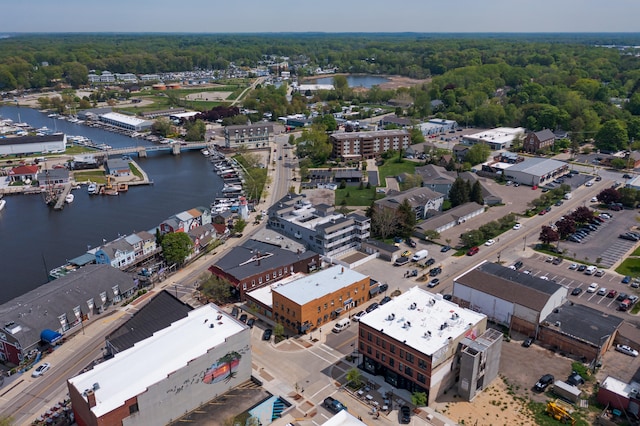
366,81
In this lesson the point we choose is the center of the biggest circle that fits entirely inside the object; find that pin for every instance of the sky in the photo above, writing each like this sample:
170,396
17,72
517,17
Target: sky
243,16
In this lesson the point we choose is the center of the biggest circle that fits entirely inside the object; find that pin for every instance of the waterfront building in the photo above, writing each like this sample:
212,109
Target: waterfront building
127,250
46,314
162,113
365,145
53,178
125,121
414,341
256,264
319,227
118,167
186,220
23,173
148,384
24,145
250,135
306,302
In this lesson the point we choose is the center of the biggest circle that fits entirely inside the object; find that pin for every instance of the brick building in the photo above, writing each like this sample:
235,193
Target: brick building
414,341
256,264
365,145
538,141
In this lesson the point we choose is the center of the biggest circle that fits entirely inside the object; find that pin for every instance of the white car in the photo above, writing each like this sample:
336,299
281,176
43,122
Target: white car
592,288
594,200
626,350
517,226
589,183
573,266
489,243
544,277
359,315
602,291
42,368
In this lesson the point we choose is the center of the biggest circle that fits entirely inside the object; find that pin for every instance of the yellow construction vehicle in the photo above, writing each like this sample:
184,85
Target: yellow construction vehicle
560,411
108,185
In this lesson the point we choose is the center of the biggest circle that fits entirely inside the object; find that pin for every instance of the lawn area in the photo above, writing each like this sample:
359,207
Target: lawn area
636,252
96,176
135,170
357,197
392,168
630,266
78,149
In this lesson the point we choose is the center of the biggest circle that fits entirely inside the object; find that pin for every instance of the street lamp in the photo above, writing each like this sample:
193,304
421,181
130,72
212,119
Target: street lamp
524,246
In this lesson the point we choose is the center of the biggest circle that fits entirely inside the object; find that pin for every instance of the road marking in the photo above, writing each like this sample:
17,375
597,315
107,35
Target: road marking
322,346
321,390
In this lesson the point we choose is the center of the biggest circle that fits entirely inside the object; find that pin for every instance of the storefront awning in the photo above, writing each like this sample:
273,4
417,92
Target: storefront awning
50,336
374,290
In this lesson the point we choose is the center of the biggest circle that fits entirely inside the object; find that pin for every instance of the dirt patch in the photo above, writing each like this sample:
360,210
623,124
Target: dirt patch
494,405
396,81
208,96
320,196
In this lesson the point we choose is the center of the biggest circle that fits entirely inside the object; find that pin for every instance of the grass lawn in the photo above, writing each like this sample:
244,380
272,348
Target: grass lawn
629,267
391,168
96,176
78,149
357,197
636,252
135,170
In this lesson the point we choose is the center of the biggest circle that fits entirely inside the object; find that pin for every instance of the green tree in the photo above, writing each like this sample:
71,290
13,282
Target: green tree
476,193
354,377
472,238
278,331
419,399
239,226
406,219
478,153
195,130
458,194
215,288
612,136
176,246
416,135
341,86
162,127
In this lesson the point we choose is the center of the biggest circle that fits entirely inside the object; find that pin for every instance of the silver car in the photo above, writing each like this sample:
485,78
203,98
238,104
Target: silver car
42,368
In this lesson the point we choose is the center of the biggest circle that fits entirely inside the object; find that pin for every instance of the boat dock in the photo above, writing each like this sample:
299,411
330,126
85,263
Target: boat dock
61,196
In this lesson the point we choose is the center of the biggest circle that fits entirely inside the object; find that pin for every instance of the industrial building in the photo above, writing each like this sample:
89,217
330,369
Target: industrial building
125,121
497,139
151,384
415,340
535,171
25,145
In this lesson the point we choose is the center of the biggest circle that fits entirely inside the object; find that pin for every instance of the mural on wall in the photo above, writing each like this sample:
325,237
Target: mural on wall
224,369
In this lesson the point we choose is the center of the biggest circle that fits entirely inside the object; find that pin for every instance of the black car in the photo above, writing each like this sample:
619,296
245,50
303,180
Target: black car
405,415
429,262
243,318
447,296
445,249
528,341
267,334
518,265
543,382
385,299
411,243
627,176
234,312
372,307
575,379
435,271
383,287
251,322
576,291
582,268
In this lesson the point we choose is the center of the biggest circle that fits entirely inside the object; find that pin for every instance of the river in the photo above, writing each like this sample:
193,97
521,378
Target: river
35,239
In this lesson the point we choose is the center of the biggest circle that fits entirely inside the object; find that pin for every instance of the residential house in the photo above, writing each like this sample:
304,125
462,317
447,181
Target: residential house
23,173
118,253
488,197
118,167
460,152
202,236
394,120
423,201
436,178
538,141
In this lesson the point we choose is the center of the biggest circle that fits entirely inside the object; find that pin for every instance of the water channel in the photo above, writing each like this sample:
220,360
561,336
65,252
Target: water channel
35,239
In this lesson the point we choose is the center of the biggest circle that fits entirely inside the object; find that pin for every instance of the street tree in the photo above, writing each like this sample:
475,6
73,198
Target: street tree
478,153
278,331
215,288
354,377
176,246
239,226
609,195
472,238
612,136
419,399
548,235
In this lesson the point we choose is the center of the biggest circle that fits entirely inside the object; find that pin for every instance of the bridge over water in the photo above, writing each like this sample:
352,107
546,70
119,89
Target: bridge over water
142,151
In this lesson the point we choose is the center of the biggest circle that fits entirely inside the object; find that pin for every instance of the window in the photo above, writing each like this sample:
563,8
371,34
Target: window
361,346
369,349
401,353
422,364
408,371
319,321
384,344
383,358
325,306
400,366
259,280
409,357
318,309
421,378
276,305
244,286
267,277
133,408
377,355
392,348
362,333
391,362
253,283
369,337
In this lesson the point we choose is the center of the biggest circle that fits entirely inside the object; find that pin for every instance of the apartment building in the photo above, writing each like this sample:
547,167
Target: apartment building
365,145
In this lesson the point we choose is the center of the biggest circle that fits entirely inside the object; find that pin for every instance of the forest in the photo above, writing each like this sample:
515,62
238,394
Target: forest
556,81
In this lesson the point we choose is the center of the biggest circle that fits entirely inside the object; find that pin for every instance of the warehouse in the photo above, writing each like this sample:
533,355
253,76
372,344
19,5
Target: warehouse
24,145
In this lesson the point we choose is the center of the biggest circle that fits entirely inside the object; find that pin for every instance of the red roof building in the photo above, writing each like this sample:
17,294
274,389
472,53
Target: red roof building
22,173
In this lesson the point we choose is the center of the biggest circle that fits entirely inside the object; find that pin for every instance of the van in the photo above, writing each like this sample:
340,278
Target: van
421,254
567,196
343,324
590,270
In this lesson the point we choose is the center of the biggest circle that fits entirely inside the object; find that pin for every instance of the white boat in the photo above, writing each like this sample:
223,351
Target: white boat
69,198
2,204
205,152
54,115
231,188
92,188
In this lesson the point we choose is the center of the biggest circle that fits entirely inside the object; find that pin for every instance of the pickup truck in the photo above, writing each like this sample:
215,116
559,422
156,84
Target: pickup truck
333,405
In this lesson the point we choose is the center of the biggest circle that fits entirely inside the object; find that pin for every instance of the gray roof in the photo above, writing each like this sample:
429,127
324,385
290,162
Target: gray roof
121,244
433,175
449,216
486,192
242,261
56,137
39,309
54,174
545,134
537,166
117,164
583,322
383,246
507,284
159,313
415,196
369,135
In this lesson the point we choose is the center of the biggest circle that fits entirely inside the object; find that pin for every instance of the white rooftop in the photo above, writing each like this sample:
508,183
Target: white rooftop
343,418
148,362
306,217
315,87
263,294
498,135
314,286
619,387
417,318
122,118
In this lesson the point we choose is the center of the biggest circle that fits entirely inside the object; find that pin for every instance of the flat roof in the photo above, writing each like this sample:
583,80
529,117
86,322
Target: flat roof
417,318
263,294
314,286
343,418
369,135
583,323
18,140
131,372
122,118
619,387
498,135
537,166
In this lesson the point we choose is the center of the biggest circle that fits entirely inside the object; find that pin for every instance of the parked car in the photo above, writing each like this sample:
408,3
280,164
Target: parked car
626,279
557,261
359,315
385,300
406,253
405,415
371,307
517,226
447,296
42,368
383,287
543,382
602,291
627,350
575,379
411,243
573,266
435,271
243,318
267,334
472,251
234,312
518,264
434,282
600,273
593,287
576,291
445,249
621,297
489,243
527,342
401,261
429,262
611,294
250,322
581,268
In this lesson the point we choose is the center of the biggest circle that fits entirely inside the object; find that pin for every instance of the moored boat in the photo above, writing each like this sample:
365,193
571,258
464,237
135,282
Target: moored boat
92,188
69,198
2,204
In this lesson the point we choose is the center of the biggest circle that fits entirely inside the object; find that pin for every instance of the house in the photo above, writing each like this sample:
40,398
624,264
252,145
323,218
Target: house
186,220
202,236
633,160
319,227
445,160
255,264
414,342
423,201
460,152
307,302
437,178
147,384
59,308
448,219
118,253
118,167
538,141
394,120
365,145
53,178
489,197
508,297
23,173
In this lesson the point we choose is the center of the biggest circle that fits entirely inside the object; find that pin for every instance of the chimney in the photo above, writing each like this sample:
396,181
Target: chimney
258,255
91,398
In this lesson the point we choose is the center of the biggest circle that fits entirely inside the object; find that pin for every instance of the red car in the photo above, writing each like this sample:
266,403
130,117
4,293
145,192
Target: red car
612,294
542,212
472,251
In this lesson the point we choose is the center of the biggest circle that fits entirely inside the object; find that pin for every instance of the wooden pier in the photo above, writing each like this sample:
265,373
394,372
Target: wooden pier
61,197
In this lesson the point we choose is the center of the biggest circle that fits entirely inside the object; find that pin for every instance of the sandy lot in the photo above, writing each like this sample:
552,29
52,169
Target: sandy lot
208,96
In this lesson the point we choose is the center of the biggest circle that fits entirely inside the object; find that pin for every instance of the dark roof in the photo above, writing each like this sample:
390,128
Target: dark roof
583,322
159,313
242,261
432,174
507,284
39,309
54,174
56,137
241,127
117,163
383,246
545,134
